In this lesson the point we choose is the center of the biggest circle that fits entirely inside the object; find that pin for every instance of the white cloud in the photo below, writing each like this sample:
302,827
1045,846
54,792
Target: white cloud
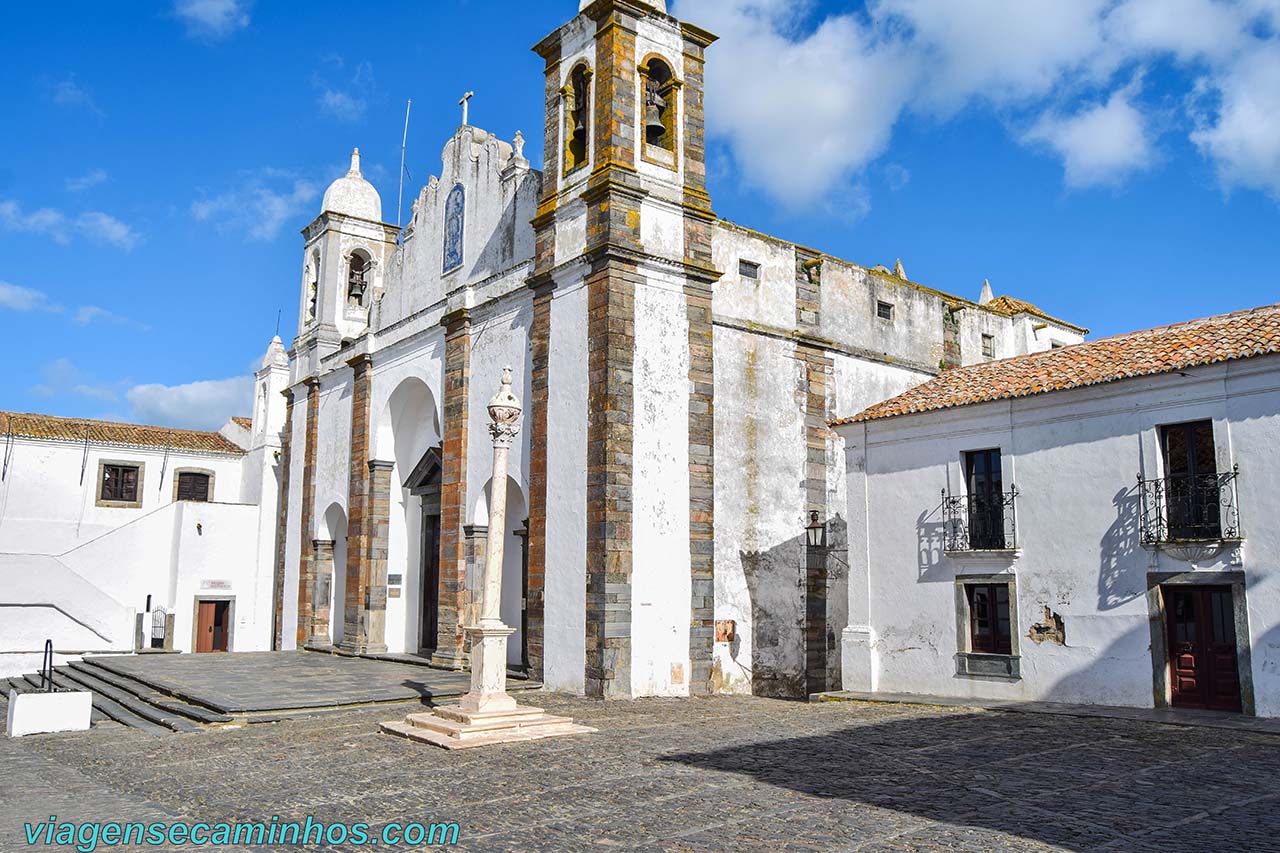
212,19
101,228
1100,144
805,102
1000,51
1239,130
63,377
17,298
87,314
68,93
349,101
96,226
45,221
86,181
260,206
802,121
195,405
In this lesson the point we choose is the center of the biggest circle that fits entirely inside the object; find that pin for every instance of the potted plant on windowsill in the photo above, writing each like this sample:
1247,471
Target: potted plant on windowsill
50,709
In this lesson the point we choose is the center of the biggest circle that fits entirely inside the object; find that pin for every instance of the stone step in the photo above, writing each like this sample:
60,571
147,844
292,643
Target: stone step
452,735
151,696
129,701
112,710
95,715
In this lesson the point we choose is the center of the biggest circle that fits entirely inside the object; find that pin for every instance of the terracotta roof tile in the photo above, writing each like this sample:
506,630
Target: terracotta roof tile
108,432
1226,337
243,423
1007,306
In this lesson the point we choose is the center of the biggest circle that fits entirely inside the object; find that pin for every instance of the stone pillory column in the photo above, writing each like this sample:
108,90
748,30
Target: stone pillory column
488,714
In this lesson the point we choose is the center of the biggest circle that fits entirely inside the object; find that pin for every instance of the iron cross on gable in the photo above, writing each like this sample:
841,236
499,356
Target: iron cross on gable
465,104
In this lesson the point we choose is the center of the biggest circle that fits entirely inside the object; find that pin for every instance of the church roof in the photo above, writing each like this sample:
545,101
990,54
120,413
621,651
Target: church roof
1166,349
352,195
109,432
243,423
1009,307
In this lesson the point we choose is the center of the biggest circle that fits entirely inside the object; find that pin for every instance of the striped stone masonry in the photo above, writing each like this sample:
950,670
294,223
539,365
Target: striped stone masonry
535,599
610,340
306,559
377,523
453,599
282,525
702,557
818,367
355,622
322,551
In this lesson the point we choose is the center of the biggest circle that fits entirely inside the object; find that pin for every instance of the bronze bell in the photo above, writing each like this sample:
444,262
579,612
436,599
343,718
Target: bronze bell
653,121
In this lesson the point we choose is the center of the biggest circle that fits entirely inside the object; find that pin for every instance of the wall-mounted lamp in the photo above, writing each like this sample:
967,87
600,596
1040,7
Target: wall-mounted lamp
199,529
816,531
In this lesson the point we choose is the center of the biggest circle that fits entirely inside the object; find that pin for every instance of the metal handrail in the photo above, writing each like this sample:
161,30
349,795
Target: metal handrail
46,668
980,522
1189,508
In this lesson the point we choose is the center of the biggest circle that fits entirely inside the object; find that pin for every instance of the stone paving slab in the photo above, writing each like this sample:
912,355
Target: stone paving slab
1170,716
247,682
719,774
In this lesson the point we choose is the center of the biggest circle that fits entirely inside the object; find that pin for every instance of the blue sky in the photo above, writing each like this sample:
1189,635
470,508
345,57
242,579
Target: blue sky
1115,161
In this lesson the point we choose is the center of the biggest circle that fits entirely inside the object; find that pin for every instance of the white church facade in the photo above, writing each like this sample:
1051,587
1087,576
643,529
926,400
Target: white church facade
678,373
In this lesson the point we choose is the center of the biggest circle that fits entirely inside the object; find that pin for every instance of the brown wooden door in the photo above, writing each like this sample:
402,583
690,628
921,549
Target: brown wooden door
1202,647
430,621
204,626
213,626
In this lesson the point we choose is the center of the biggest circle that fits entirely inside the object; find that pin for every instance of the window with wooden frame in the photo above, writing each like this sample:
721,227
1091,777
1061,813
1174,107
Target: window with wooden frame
988,346
749,270
193,486
120,484
989,625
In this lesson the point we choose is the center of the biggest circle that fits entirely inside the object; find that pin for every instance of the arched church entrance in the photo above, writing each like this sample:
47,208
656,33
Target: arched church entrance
409,437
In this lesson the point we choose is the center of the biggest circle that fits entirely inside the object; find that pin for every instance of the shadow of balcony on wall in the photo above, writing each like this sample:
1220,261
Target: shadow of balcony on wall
1122,573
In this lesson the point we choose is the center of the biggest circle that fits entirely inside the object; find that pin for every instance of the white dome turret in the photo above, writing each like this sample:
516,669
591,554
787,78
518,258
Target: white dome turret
352,195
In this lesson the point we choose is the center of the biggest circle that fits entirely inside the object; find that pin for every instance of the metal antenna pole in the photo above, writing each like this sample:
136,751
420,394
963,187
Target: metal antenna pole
403,142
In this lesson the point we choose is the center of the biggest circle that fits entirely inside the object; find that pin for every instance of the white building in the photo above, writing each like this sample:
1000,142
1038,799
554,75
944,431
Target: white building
678,372
1089,525
114,534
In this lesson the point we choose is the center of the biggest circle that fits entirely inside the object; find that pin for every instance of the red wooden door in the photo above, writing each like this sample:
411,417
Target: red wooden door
1202,647
205,618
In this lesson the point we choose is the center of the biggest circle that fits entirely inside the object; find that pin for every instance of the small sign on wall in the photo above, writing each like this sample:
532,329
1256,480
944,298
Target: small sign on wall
394,593
395,580
215,584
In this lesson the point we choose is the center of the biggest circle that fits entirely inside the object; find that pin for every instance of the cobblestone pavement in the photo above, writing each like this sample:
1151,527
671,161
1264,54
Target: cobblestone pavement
721,774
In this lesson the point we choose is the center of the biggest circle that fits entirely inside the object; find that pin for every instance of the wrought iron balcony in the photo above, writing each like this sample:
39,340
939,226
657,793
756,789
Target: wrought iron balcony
1200,508
981,522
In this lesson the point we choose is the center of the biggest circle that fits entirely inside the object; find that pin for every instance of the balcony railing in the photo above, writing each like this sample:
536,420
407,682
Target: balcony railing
1187,508
982,522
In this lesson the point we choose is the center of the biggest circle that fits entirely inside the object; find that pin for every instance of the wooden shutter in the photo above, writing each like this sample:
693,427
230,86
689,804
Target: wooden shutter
193,487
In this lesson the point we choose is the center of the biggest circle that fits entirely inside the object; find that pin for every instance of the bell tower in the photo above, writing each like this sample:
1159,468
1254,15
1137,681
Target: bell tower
623,262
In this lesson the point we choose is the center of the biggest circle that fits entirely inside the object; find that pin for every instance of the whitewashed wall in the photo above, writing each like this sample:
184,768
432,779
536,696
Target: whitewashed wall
1074,456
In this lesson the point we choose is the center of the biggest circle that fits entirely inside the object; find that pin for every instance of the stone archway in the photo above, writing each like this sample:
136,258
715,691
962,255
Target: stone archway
407,432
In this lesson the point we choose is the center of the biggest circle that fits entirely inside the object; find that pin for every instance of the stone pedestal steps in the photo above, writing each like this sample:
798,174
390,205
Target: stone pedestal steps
124,700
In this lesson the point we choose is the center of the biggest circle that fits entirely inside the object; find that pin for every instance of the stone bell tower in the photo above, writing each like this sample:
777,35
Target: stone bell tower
623,262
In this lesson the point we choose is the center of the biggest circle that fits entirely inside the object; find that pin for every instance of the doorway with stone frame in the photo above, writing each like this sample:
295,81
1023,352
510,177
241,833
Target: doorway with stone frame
1200,650
424,484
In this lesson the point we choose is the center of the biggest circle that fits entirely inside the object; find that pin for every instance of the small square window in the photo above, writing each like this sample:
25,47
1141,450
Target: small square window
989,346
749,269
119,483
1056,345
884,310
193,486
